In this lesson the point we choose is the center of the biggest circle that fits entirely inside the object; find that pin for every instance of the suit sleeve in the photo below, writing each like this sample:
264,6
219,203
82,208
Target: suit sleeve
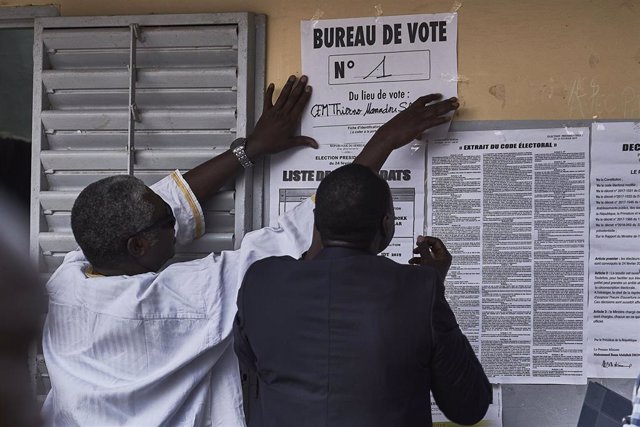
246,357
459,385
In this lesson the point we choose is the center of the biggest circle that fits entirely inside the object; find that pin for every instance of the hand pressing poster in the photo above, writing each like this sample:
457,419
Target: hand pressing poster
366,70
363,72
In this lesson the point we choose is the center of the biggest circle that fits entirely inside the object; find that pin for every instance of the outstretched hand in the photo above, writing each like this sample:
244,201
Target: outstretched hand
432,253
404,127
274,131
421,115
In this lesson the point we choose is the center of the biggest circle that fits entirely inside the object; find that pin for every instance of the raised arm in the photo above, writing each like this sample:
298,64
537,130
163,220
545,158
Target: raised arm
404,127
273,133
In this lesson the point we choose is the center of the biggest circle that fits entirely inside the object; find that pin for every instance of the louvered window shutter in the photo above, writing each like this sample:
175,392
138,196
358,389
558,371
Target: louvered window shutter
142,95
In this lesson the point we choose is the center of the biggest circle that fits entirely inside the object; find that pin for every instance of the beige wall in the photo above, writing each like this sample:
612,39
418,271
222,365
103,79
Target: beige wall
518,59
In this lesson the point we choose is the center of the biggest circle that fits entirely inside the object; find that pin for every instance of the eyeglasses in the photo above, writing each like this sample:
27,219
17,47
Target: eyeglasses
165,221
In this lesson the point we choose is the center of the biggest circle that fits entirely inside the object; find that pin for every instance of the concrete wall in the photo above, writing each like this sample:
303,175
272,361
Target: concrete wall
518,59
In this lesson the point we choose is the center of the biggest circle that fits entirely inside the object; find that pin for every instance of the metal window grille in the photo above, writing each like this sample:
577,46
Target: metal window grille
142,95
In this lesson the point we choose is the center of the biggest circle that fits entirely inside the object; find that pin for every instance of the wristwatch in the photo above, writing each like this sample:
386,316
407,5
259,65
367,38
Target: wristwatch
237,147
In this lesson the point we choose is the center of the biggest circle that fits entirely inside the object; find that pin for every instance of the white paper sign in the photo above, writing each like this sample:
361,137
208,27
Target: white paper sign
511,207
613,323
366,70
493,417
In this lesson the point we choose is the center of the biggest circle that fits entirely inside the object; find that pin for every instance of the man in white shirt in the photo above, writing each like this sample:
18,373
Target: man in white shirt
125,344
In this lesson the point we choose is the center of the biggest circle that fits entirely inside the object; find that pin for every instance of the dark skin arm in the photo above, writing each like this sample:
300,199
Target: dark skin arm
458,382
404,127
433,253
273,133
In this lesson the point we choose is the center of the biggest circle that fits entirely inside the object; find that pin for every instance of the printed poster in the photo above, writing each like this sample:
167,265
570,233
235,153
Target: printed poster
366,70
613,323
493,417
512,207
363,72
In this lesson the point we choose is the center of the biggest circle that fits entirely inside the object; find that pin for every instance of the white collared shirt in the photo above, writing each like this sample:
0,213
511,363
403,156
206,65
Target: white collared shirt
155,349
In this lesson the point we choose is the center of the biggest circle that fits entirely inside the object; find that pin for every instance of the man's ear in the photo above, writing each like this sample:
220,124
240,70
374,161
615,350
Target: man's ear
137,246
387,230
316,245
388,227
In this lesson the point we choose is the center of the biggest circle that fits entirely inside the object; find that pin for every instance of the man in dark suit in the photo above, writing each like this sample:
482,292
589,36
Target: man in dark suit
349,338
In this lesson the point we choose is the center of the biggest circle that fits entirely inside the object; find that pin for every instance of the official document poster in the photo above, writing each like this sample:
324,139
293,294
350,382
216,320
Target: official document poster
512,208
493,418
366,70
363,72
613,322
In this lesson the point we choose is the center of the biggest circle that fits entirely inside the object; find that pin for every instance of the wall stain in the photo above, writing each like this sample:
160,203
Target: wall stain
628,4
594,60
548,89
317,15
576,97
499,92
637,56
587,99
630,102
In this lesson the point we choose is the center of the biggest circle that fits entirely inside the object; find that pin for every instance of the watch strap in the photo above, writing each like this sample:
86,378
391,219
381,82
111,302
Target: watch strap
238,148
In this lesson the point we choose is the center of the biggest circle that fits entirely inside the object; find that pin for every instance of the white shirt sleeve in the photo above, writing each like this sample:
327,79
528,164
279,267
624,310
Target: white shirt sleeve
189,216
291,236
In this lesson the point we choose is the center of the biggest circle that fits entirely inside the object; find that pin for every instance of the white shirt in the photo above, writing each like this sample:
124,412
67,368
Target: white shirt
155,349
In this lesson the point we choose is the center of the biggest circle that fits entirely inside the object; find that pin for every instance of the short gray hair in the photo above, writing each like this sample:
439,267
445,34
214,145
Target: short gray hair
108,212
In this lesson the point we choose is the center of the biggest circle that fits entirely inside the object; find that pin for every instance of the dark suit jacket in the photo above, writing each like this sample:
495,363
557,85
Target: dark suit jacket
352,339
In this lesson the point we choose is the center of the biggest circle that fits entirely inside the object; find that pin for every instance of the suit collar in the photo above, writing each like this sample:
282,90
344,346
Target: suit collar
341,252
